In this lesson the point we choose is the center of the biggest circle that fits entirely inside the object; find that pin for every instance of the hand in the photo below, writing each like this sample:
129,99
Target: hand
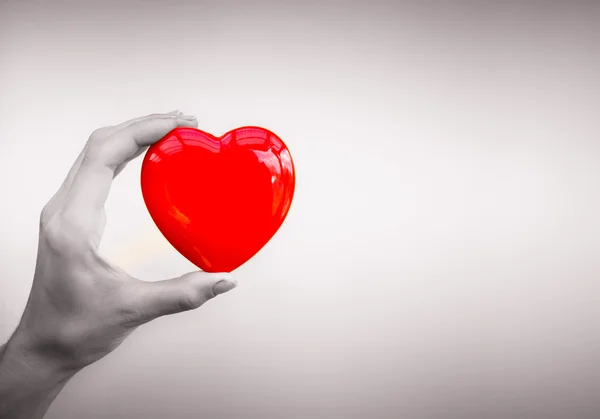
81,307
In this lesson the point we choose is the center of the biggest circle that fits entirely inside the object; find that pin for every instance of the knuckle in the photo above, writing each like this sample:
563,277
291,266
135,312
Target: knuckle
140,130
164,124
135,129
96,146
192,299
62,233
93,151
56,238
98,134
45,215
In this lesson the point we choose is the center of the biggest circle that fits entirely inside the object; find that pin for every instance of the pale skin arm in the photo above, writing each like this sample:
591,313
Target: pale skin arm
81,307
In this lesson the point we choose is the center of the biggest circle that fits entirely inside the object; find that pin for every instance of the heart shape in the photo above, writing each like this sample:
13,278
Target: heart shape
218,200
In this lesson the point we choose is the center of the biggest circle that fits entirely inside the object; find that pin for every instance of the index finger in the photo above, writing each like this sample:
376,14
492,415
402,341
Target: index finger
91,184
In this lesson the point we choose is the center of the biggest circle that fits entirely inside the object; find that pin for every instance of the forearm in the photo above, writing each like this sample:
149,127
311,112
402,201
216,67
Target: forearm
29,381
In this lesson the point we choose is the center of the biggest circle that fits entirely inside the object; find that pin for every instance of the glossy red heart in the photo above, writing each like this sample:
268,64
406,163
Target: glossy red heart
218,201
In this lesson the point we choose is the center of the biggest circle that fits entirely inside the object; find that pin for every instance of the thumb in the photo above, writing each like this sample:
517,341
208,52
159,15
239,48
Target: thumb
188,292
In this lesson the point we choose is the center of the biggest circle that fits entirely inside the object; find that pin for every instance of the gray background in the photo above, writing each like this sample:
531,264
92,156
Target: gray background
440,259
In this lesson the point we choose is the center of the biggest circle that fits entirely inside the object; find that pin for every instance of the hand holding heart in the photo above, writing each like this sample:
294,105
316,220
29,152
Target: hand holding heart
81,307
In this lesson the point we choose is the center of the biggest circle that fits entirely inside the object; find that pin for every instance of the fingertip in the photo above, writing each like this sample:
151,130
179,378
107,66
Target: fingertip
221,281
223,286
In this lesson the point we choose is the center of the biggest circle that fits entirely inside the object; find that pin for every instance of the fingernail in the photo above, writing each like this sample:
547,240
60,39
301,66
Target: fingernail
223,286
176,112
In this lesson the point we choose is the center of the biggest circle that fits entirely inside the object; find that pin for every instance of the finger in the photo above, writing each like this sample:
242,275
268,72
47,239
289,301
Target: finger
130,137
91,183
75,168
143,118
122,166
188,292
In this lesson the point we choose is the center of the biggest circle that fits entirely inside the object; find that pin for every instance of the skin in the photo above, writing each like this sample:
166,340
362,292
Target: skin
81,307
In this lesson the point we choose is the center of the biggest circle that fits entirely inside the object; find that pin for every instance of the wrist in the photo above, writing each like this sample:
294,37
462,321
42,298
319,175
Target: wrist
29,379
28,356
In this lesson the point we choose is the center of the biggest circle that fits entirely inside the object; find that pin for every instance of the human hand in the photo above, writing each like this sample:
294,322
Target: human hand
81,307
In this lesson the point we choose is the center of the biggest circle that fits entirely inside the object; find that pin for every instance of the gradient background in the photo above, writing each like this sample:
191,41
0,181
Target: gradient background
441,257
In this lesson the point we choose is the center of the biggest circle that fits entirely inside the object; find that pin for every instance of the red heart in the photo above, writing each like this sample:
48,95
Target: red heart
218,201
